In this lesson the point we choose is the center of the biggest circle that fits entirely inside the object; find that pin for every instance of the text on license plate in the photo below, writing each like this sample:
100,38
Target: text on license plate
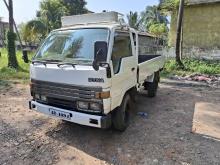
60,114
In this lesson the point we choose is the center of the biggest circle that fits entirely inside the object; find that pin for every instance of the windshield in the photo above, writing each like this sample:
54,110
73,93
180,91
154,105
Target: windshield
75,46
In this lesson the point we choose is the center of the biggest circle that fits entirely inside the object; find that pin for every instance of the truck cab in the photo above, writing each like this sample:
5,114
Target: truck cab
89,71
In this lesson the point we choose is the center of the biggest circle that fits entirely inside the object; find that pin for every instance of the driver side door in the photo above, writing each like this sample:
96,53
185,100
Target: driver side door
124,66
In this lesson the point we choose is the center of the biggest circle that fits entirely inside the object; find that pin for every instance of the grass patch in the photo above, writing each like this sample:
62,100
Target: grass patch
4,84
191,66
6,73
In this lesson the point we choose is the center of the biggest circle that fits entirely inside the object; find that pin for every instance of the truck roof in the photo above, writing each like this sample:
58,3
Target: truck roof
103,25
92,18
108,20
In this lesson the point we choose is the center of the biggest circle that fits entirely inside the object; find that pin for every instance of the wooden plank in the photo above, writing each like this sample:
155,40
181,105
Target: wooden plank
206,120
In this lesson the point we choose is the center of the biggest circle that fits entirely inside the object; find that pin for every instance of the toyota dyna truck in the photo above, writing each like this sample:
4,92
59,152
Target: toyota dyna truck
89,71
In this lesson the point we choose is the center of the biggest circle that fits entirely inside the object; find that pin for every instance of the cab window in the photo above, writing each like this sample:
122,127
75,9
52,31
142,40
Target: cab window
121,49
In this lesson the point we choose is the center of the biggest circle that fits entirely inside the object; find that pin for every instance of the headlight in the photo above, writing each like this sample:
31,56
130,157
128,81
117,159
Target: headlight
37,96
83,105
40,97
43,98
89,107
95,106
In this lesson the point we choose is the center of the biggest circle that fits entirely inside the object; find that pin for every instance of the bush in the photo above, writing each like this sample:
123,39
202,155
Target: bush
192,66
6,73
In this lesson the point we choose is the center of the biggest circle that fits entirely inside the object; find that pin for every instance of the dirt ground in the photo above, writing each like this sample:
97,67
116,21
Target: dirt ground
164,137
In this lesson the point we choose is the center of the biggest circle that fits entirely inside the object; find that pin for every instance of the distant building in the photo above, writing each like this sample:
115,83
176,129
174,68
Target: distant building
3,28
201,26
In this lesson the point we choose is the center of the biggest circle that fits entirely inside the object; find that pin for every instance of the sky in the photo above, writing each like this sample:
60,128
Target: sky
25,10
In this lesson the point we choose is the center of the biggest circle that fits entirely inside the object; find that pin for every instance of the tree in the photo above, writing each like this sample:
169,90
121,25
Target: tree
51,11
133,20
21,29
151,16
75,7
158,29
34,31
11,36
179,34
167,6
15,26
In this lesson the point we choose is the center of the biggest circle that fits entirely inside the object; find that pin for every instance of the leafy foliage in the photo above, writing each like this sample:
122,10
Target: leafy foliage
21,73
158,29
154,22
75,7
152,15
150,20
49,18
34,31
192,66
166,6
21,29
51,11
134,20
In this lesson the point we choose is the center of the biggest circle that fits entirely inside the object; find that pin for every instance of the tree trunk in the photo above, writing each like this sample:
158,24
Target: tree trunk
16,29
12,60
178,35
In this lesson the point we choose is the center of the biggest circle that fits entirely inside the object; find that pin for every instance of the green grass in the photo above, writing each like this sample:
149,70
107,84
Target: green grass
22,74
191,66
4,84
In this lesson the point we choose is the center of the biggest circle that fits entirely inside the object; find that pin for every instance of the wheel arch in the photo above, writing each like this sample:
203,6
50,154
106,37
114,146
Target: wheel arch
131,91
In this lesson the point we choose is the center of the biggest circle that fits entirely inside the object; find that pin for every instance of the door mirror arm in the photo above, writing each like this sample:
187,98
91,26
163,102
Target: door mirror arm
108,69
25,56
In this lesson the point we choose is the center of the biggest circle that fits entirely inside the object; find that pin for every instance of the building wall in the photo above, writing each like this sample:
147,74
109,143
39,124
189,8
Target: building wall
201,26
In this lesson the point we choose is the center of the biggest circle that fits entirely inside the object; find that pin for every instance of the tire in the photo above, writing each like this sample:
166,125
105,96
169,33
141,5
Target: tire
152,87
121,115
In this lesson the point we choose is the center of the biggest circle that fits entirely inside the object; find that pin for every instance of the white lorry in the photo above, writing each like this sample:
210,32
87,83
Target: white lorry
89,71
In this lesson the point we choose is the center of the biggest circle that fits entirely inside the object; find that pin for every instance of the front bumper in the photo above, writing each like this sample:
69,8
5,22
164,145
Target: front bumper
76,117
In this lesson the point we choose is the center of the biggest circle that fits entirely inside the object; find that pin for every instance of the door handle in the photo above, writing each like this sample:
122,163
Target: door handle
132,69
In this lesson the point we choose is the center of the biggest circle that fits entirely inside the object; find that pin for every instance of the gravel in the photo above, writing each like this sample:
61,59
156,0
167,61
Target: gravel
165,137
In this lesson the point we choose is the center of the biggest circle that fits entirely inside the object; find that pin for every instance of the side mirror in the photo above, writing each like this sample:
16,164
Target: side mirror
25,56
101,51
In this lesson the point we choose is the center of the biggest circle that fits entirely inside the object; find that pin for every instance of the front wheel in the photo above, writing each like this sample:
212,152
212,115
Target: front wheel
121,115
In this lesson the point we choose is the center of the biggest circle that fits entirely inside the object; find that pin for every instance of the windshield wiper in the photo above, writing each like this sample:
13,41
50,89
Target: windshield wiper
66,63
51,60
39,62
45,62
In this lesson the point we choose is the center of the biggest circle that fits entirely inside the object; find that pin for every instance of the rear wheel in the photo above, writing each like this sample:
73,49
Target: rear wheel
152,87
121,115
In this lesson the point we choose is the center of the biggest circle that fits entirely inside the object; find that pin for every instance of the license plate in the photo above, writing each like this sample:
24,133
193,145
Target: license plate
60,114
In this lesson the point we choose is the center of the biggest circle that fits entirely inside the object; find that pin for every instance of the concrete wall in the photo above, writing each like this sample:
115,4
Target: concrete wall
201,27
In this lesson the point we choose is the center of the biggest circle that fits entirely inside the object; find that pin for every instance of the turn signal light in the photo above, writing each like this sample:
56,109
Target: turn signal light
102,95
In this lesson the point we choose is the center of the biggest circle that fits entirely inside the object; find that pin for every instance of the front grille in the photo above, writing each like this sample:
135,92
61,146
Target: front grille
64,104
65,92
